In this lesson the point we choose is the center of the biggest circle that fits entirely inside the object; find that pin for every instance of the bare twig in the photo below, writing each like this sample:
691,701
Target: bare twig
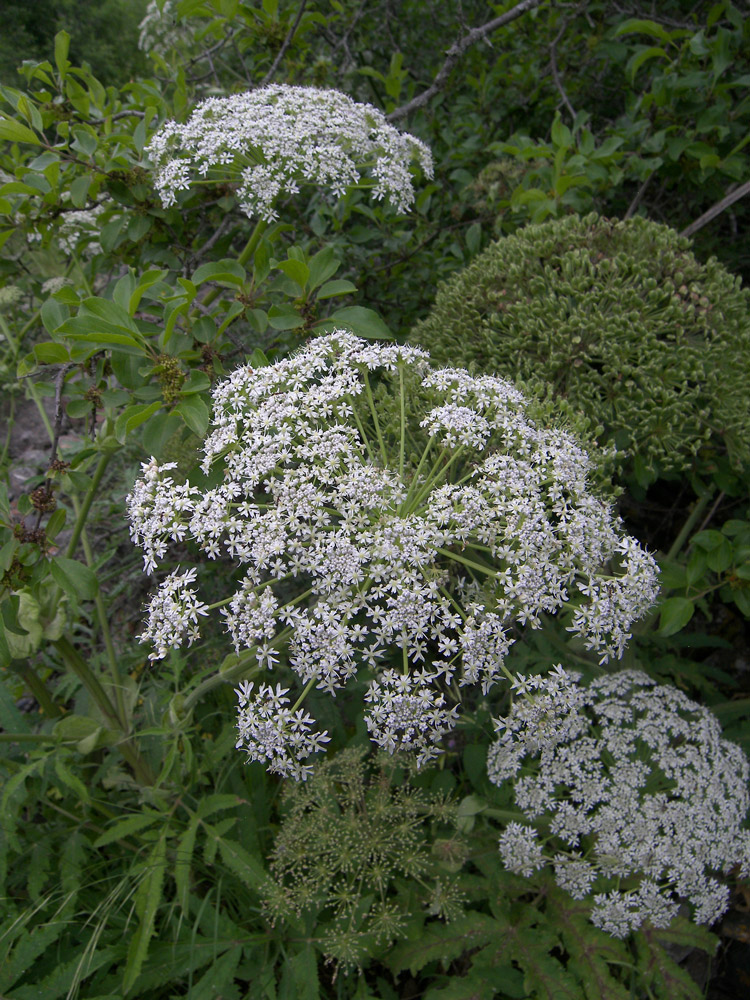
707,519
717,209
455,52
633,206
57,426
555,74
285,45
113,118
195,258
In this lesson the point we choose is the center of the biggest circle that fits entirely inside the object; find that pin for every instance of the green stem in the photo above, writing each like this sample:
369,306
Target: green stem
250,247
360,427
87,501
232,673
304,694
403,421
101,614
436,472
510,815
39,689
9,432
376,422
414,484
78,666
692,520
487,570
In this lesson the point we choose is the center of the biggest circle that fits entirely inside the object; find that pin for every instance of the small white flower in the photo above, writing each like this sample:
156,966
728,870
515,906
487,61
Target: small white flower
641,775
353,559
274,138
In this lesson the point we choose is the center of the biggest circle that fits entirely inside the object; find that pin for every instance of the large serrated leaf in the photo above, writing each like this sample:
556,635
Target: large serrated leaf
147,899
664,977
126,827
28,947
589,949
442,942
240,861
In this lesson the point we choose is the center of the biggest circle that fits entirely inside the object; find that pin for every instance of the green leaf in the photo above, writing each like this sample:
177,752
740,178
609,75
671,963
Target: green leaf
322,267
474,237
127,827
304,969
62,46
720,558
13,131
133,416
676,612
87,734
561,134
642,27
50,353
147,899
635,63
340,286
74,578
227,271
195,413
158,431
79,190
284,317
442,942
11,720
249,869
72,781
364,322
297,270
218,980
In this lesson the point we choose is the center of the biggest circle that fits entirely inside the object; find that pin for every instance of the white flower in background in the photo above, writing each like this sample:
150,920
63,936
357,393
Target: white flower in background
637,784
79,231
273,139
160,29
52,285
357,553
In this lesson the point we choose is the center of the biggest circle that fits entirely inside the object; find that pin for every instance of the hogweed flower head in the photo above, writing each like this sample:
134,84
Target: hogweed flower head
273,139
643,800
392,518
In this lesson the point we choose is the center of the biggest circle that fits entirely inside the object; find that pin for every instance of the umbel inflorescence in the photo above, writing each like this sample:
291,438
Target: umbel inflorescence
275,138
632,796
403,542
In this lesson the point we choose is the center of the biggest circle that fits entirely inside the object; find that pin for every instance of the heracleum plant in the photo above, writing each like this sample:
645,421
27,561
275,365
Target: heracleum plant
405,549
356,849
631,794
272,140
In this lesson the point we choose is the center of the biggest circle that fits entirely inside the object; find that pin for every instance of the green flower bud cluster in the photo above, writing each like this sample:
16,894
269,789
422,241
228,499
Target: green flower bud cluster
628,328
357,848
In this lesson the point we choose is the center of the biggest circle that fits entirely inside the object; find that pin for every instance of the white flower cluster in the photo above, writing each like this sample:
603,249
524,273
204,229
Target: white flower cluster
353,556
277,137
636,783
79,231
278,736
408,714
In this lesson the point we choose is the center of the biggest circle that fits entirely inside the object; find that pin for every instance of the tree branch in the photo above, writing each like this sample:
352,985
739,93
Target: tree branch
717,209
285,45
455,52
556,75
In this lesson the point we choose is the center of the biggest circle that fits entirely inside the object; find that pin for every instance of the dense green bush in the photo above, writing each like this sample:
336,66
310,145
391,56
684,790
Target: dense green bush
621,320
